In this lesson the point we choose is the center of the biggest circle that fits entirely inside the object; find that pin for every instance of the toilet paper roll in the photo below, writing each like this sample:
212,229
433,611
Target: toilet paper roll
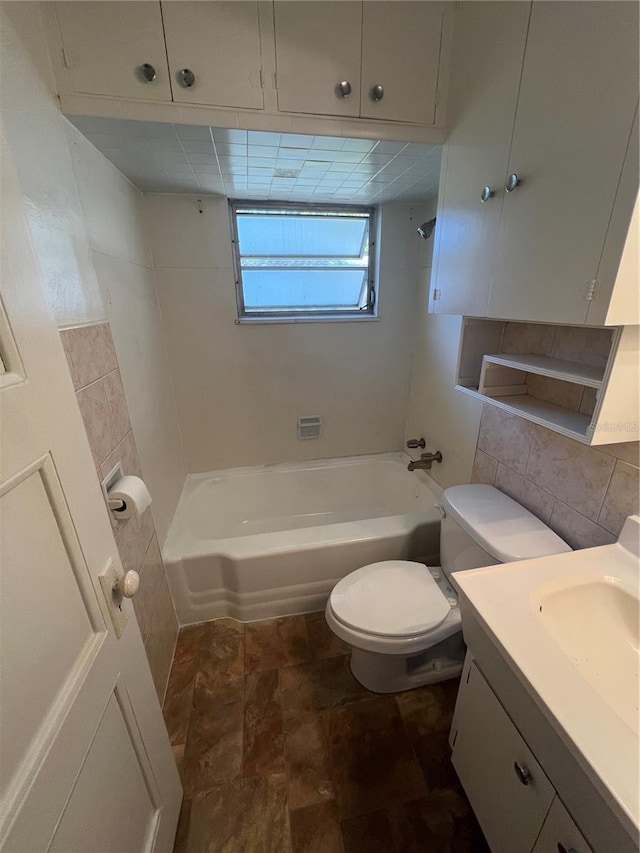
134,493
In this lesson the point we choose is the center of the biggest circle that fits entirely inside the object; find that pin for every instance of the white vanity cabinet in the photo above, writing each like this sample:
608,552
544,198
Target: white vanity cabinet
547,245
114,49
506,786
516,805
214,53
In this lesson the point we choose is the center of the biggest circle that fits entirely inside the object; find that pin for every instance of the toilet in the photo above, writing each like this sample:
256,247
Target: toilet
402,618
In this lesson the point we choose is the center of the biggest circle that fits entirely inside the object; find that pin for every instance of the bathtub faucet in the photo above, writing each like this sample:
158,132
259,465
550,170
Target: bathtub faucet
425,461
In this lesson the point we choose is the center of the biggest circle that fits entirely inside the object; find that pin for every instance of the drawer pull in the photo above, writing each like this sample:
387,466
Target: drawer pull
522,772
563,849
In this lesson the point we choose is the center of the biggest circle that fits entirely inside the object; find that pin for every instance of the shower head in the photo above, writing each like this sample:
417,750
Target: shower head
426,229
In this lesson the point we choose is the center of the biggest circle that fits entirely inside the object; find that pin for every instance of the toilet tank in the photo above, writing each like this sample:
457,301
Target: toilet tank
482,527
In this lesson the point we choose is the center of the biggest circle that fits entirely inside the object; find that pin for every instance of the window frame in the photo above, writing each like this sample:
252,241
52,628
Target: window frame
367,312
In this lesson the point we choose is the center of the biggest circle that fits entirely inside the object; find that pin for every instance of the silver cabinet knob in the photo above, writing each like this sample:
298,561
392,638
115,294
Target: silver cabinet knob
147,72
344,88
377,93
128,585
486,194
513,181
522,772
186,78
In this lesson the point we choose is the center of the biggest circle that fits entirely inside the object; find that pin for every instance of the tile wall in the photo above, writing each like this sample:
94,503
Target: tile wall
96,378
583,493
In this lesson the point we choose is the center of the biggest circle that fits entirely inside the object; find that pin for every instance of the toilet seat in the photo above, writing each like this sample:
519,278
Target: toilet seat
392,599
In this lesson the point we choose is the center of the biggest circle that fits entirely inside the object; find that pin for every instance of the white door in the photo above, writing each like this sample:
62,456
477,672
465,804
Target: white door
400,54
219,44
575,113
486,66
109,47
317,50
86,761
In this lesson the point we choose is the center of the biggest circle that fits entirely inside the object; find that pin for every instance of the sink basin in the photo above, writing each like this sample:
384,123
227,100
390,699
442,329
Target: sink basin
596,624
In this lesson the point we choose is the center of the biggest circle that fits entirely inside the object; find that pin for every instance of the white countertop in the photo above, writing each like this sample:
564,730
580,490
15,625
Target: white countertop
599,719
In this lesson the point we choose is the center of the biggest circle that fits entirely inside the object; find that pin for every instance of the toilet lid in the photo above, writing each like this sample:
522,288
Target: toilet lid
393,598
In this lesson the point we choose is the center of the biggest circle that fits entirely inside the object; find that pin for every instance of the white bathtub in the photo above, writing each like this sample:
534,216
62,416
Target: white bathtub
253,543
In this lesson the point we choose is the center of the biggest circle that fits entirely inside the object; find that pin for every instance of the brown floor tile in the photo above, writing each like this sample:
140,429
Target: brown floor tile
440,823
316,829
189,640
372,763
317,685
307,758
213,753
179,698
226,628
324,643
276,642
369,833
263,742
248,816
429,709
182,832
220,678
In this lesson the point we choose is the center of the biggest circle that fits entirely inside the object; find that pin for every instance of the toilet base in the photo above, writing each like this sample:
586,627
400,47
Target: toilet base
394,673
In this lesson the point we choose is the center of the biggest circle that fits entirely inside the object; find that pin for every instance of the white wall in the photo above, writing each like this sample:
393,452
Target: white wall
241,388
35,132
87,231
114,216
448,419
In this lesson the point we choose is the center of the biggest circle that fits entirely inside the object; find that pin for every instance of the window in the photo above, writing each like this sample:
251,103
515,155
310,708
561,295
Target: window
303,261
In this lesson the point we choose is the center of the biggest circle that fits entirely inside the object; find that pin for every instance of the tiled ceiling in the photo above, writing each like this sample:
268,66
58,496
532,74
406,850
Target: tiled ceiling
176,158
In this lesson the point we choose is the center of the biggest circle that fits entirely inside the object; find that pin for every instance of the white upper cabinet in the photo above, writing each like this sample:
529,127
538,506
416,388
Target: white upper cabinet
318,56
575,112
400,60
214,53
111,48
483,93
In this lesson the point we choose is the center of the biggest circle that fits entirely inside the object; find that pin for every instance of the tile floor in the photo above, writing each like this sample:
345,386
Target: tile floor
282,751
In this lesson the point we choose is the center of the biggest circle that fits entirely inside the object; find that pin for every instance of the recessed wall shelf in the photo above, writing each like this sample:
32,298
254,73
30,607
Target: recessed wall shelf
579,381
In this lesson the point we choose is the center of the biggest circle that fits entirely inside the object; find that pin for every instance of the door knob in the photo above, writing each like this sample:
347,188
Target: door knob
486,194
186,78
513,181
377,93
128,585
147,72
344,88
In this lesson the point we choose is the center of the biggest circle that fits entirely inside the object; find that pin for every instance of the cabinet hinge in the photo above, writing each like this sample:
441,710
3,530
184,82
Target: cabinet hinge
436,294
591,290
65,58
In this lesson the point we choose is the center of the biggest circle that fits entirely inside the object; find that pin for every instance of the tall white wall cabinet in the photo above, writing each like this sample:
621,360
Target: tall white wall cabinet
541,168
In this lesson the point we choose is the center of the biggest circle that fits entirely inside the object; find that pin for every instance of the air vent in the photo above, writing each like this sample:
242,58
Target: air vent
310,427
286,173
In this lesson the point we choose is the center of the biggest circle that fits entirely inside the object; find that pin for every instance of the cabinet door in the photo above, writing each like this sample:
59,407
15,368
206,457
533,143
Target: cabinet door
487,752
106,44
401,53
575,112
317,48
219,43
560,833
487,61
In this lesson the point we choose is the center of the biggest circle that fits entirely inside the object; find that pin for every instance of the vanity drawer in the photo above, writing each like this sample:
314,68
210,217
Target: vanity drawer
506,786
560,833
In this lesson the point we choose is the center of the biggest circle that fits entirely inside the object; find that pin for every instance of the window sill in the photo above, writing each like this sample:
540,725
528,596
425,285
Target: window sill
320,318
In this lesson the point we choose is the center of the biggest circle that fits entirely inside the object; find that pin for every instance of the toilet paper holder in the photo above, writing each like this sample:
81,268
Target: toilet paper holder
114,504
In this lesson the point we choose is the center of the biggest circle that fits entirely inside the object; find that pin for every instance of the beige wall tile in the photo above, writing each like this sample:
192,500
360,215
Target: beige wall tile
628,451
132,538
586,346
537,501
588,401
577,475
97,420
565,394
528,338
151,578
161,639
90,351
126,453
622,498
117,404
505,437
576,530
484,468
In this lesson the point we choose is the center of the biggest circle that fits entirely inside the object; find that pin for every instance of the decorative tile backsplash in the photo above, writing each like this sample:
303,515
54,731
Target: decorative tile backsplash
583,493
94,370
